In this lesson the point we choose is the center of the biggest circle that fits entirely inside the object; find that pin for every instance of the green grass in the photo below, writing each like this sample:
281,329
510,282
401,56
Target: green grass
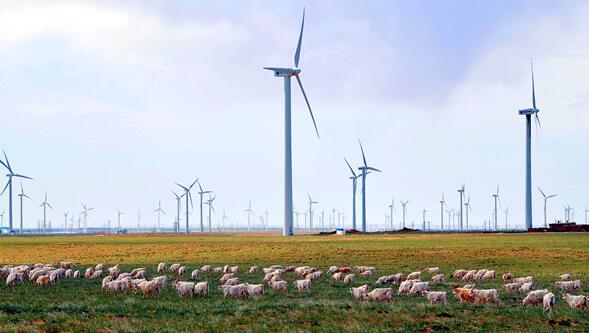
80,306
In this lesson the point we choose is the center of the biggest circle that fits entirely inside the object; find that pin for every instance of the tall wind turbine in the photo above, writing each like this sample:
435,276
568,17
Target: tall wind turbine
201,193
365,170
249,212
442,205
495,211
546,197
392,208
45,204
211,208
11,175
461,193
287,73
404,204
159,211
119,213
468,208
506,211
311,203
21,195
85,214
533,111
188,197
423,212
354,177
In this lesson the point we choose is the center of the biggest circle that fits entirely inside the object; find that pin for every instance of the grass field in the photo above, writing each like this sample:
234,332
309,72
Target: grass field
79,305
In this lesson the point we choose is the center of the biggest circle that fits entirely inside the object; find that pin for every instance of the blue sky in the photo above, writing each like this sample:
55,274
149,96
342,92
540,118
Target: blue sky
111,103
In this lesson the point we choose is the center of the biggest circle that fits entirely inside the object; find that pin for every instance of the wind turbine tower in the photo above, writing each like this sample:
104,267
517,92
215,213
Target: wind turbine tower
354,177
546,197
188,197
495,211
404,204
159,211
45,204
21,195
461,193
311,203
442,205
11,175
365,170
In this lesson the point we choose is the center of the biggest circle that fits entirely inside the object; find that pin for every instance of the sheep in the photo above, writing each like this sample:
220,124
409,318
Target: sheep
278,285
459,273
366,274
405,287
161,267
489,275
217,270
313,276
575,302
469,286
139,273
182,271
148,288
332,270
89,272
568,285
184,288
54,277
35,273
69,273
464,295
418,287
438,297
549,300
414,276
114,272
124,276
175,267
438,278
361,269
42,281
349,278
522,280
433,270
232,282
302,285
389,279
507,277
338,276
205,268
105,282
195,275
255,290
300,271
534,297
162,281
486,296
253,270
99,267
201,288
65,265
565,277
236,291
97,274
511,287
479,274
360,293
76,274
526,287
234,269
380,295
469,276
116,286
226,277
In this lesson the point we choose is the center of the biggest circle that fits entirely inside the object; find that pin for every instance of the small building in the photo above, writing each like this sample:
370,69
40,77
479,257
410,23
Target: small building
340,231
120,231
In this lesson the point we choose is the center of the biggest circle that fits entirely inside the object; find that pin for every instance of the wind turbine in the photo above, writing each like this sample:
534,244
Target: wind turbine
529,113
65,215
506,211
365,170
139,221
249,212
188,197
178,197
119,213
45,204
392,208
468,208
287,73
10,176
442,205
404,204
423,212
201,193
586,211
159,211
311,203
21,195
450,212
225,218
546,197
354,177
461,193
210,204
496,197
85,214
2,219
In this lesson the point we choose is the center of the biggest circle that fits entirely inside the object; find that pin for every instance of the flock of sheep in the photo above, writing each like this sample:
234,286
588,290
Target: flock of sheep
116,281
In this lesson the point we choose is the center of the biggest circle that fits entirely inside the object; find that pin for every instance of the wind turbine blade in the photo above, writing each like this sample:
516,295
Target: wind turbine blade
163,211
22,176
26,196
544,195
298,51
363,156
7,162
200,187
533,85
538,124
49,206
349,166
373,169
185,189
4,164
193,183
551,196
308,105
5,187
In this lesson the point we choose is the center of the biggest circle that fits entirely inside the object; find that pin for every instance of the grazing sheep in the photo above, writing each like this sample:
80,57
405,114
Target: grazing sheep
148,288
105,281
469,286
489,275
114,272
549,300
486,296
507,277
332,269
201,288
366,274
96,275
360,293
511,287
469,276
526,287
568,285
42,281
459,273
389,279
218,270
253,270
99,267
234,269
438,278
418,287
361,269
565,277
575,302
205,268
302,285
255,290
435,297
405,287
162,281
184,288
89,272
195,275
433,270
338,276
124,276
116,286
54,277
161,267
138,273
232,282
182,271
522,280
175,267
226,277
314,276
278,285
414,276
534,297
480,273
464,295
380,295
349,278
65,265
235,291
69,273
76,274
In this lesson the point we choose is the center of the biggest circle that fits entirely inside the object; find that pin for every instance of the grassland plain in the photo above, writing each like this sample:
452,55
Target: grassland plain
80,306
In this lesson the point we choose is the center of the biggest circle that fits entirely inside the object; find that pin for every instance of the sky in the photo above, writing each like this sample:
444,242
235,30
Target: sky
110,103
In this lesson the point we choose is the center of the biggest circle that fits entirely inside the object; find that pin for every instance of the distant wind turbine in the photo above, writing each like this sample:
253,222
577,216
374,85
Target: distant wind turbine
506,211
11,175
495,212
85,215
119,213
354,177
529,113
287,73
546,197
188,197
45,204
365,170
468,208
311,203
442,205
178,206
249,212
159,211
211,208
461,193
21,195
423,212
201,193
404,204
392,208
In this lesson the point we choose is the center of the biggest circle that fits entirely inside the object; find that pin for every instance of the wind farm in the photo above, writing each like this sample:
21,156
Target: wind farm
117,116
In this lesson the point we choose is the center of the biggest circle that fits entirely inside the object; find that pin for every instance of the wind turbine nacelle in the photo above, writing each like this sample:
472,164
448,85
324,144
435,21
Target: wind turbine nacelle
528,111
283,72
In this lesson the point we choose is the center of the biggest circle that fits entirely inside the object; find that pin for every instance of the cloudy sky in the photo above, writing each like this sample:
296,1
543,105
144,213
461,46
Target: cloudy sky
110,103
